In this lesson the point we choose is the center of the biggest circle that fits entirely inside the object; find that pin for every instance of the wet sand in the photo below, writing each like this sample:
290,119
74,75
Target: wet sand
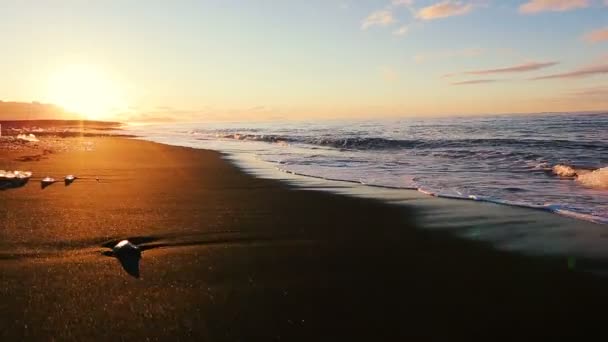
227,256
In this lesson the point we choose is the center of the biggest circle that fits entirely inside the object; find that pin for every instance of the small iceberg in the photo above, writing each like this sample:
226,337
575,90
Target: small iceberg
15,175
69,179
46,181
22,175
27,137
13,179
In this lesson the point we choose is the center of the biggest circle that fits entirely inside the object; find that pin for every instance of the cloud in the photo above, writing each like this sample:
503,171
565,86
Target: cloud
378,18
587,71
444,9
473,82
402,31
596,36
515,68
536,6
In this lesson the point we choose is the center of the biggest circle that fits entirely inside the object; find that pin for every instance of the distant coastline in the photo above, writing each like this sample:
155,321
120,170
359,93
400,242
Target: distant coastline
50,123
10,130
12,110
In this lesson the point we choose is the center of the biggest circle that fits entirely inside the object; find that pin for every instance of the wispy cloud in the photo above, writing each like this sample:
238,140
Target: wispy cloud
596,36
591,70
469,82
525,67
536,6
402,31
512,69
378,18
444,9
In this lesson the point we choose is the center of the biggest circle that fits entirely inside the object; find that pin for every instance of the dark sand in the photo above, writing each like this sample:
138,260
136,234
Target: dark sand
231,257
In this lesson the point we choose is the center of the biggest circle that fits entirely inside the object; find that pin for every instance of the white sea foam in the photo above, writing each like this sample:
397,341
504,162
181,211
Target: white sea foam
27,137
594,179
590,178
564,170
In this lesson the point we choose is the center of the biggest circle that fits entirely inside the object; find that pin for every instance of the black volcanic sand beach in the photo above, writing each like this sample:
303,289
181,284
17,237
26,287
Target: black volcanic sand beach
230,257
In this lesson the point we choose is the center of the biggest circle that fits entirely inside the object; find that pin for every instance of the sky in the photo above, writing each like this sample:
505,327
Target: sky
315,59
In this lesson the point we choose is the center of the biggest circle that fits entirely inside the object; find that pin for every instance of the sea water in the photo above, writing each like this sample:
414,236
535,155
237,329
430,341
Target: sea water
554,162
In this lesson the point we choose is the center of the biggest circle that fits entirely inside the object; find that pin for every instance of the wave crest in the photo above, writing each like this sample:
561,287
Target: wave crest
270,138
380,143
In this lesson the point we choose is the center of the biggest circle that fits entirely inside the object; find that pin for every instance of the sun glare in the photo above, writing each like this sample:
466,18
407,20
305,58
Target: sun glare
85,90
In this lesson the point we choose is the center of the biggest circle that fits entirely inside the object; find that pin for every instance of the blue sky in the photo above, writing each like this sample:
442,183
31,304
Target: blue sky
251,60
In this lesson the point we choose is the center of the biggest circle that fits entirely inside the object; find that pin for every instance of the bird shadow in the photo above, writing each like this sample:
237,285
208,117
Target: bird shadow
129,259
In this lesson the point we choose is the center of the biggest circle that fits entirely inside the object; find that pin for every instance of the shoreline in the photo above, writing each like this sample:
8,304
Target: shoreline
542,232
230,256
550,208
553,206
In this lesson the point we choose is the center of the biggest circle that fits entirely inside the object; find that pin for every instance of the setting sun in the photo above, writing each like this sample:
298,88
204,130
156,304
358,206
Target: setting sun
85,90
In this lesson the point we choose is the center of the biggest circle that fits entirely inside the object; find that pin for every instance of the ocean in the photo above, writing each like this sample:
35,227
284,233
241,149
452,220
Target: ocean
552,162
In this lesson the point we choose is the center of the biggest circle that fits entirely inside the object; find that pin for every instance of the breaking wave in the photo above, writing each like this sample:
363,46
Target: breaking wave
379,143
